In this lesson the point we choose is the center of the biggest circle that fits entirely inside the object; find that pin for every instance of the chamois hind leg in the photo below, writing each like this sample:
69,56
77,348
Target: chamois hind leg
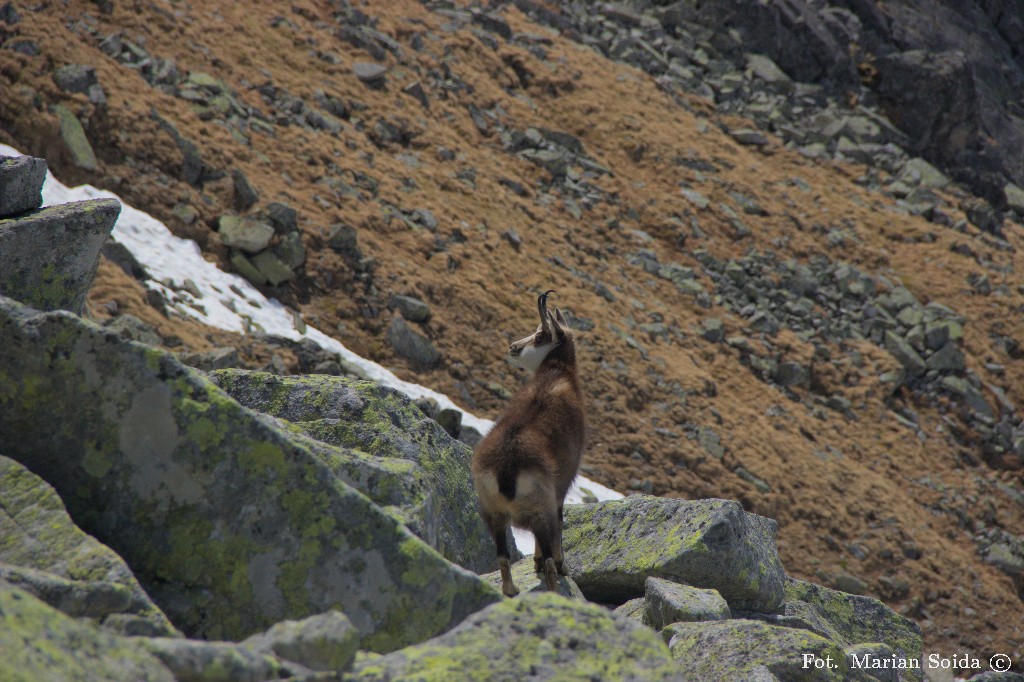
556,549
498,525
545,534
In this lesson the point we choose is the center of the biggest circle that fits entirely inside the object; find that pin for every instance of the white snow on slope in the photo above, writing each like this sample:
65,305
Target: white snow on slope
229,302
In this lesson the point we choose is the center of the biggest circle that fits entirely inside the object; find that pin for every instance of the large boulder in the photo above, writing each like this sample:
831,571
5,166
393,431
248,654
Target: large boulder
611,548
48,257
851,619
198,661
45,553
535,637
382,444
230,523
752,650
39,642
21,184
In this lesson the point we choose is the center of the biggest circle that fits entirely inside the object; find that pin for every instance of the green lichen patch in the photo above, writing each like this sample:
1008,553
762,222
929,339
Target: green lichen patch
536,637
378,441
611,549
40,643
740,649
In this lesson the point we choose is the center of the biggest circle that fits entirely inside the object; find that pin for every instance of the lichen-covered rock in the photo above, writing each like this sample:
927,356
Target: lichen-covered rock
634,609
874,659
38,642
58,562
669,602
325,642
75,140
535,637
735,649
229,523
198,661
57,275
76,598
526,578
385,447
21,184
851,619
611,548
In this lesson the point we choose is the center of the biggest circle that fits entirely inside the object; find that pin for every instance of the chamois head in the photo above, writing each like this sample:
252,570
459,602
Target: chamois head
552,332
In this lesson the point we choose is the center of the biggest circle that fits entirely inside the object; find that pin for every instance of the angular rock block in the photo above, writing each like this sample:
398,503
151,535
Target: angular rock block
851,620
379,442
526,578
44,552
41,643
21,184
669,602
229,523
200,661
534,637
611,548
48,258
327,642
750,649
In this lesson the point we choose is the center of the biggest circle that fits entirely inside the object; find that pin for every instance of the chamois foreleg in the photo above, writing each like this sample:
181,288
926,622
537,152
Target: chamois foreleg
498,525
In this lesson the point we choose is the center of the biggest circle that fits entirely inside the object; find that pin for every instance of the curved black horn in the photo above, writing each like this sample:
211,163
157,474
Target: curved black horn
542,305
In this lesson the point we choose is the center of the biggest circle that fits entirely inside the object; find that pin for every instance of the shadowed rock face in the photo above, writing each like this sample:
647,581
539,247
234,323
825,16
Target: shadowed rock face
48,258
229,523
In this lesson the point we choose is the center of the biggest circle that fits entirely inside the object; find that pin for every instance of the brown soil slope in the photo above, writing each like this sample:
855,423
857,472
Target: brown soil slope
876,487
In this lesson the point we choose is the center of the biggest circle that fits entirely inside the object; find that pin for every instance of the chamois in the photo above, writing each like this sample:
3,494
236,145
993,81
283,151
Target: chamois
523,468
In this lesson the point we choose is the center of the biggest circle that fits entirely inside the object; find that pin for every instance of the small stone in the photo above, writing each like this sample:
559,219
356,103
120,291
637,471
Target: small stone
370,73
283,217
450,420
21,184
245,196
709,439
291,251
759,484
211,360
416,91
946,359
412,309
749,136
411,345
246,234
185,213
904,354
76,78
325,642
244,267
712,330
790,374
342,238
696,198
75,141
132,328
513,238
273,269
844,582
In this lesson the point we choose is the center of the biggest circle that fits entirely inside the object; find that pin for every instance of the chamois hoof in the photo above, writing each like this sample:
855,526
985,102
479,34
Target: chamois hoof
551,575
538,564
509,589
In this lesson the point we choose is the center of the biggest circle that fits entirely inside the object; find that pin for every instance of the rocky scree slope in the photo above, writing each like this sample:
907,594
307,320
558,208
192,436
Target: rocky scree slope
234,519
781,301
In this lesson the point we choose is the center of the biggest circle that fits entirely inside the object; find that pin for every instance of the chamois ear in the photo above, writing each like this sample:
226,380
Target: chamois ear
559,319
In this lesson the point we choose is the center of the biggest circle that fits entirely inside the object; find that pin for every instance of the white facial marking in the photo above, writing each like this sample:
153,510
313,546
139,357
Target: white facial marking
531,357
